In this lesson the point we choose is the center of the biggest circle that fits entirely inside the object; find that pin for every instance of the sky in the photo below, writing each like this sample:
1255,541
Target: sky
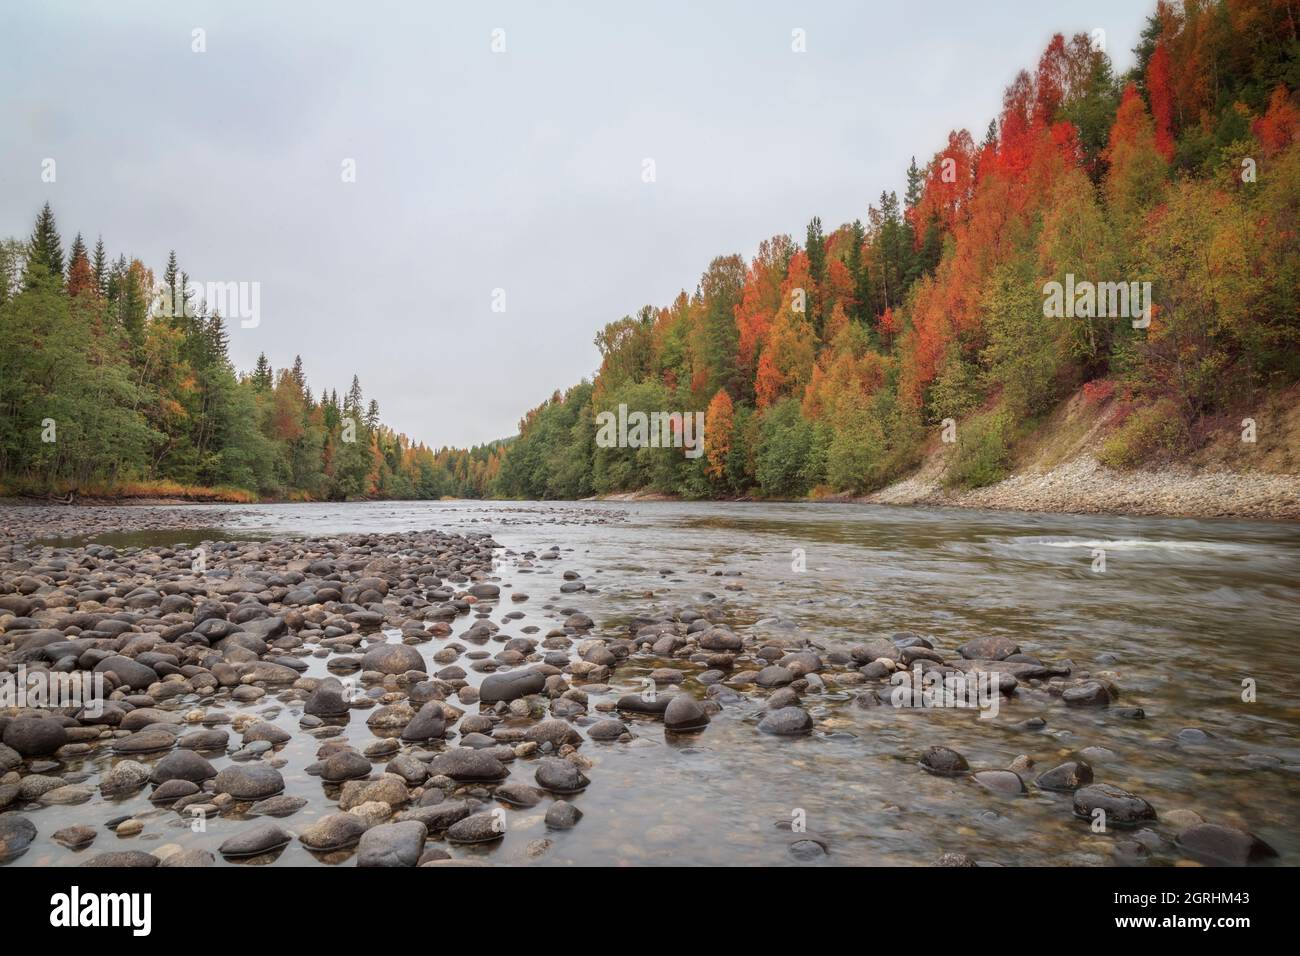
500,212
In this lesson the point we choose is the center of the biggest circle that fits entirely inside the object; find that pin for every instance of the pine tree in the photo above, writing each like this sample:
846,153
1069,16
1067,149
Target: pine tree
44,250
816,247
913,196
298,375
352,404
372,416
99,268
174,286
263,374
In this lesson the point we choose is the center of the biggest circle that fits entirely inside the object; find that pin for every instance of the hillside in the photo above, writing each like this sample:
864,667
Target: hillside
1056,468
1109,273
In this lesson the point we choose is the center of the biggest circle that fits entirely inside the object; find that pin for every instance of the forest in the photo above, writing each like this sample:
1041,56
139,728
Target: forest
826,366
102,392
822,366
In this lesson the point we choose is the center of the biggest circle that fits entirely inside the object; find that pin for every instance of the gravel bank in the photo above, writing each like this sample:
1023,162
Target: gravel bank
25,522
1084,486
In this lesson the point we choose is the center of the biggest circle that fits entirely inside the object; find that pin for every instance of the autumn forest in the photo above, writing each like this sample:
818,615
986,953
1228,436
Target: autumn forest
825,362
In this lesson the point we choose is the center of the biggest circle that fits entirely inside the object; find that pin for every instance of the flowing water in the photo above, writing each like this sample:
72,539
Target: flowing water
1187,615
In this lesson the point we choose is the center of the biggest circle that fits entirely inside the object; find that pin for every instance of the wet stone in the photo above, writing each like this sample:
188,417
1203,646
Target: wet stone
71,838
1006,782
182,765
463,764
560,776
477,828
337,831
944,762
281,806
171,791
1122,809
606,730
16,835
684,713
1087,694
562,815
255,841
116,859
989,648
125,776
392,844
1223,846
439,816
344,765
34,736
518,795
786,722
251,782
510,685
1065,778
391,659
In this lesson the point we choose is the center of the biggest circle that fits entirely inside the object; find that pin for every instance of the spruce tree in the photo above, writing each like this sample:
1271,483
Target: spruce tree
99,268
44,250
172,273
858,273
263,373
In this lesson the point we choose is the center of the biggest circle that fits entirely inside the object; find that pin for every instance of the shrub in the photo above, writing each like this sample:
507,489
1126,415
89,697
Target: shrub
983,452
1150,431
787,445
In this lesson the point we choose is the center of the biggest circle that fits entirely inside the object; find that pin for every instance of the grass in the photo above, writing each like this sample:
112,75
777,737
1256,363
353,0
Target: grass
126,490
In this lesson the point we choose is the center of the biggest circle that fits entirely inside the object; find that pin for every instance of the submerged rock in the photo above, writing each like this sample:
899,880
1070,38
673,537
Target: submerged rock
1066,777
944,762
392,844
1122,809
786,722
1223,846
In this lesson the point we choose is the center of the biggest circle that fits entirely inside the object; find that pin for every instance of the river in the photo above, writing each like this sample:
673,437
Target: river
1181,613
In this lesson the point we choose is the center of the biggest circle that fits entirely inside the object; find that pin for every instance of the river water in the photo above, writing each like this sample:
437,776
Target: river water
1180,612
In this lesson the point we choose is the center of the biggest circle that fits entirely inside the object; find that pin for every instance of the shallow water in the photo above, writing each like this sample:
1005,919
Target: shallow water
1190,609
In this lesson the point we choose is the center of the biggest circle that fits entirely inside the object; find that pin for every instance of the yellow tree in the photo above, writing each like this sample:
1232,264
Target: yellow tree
718,424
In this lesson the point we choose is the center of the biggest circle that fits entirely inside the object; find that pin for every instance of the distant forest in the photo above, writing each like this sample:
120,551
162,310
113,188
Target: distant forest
101,394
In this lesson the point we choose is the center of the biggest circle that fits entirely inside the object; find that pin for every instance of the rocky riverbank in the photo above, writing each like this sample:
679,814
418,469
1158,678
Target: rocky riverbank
1083,486
26,522
434,720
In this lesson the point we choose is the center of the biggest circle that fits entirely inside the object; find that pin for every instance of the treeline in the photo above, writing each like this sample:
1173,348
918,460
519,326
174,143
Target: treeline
103,391
828,365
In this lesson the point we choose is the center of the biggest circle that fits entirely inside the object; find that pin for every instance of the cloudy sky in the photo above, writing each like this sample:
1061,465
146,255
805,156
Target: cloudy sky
477,171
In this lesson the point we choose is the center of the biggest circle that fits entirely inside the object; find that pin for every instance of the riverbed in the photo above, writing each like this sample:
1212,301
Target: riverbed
1183,617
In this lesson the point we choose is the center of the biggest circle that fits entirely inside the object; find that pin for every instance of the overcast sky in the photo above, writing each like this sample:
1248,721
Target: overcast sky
477,170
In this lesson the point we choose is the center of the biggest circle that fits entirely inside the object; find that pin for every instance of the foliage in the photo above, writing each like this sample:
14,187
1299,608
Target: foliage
98,396
843,354
983,452
1149,432
826,363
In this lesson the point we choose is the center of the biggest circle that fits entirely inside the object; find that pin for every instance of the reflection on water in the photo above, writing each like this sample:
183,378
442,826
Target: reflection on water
1183,612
